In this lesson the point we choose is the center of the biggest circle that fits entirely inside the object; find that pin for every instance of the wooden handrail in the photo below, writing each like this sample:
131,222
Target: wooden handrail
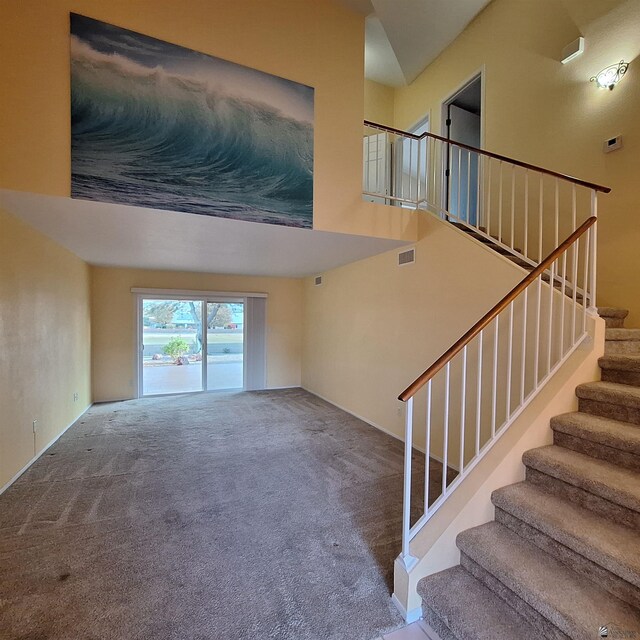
448,355
490,154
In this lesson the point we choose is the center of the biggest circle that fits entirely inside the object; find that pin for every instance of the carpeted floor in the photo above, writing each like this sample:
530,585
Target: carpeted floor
213,516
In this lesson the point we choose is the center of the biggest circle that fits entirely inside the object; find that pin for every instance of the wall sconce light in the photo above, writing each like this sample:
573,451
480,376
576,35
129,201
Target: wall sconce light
611,75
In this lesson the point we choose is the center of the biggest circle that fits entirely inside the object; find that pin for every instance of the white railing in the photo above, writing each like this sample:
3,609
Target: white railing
459,407
519,208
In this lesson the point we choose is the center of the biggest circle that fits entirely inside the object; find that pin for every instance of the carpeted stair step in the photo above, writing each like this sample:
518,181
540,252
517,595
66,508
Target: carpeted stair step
480,234
610,440
464,227
606,552
477,235
459,607
518,261
609,490
558,285
621,368
622,342
554,599
613,317
503,251
610,400
491,243
502,239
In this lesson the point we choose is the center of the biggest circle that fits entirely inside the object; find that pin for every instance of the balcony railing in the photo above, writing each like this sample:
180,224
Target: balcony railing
521,208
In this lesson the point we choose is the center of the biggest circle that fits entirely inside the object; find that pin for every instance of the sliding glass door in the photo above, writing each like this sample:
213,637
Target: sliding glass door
171,351
175,335
225,345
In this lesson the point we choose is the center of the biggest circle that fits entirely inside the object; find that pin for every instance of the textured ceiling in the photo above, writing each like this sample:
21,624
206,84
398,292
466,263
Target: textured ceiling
402,37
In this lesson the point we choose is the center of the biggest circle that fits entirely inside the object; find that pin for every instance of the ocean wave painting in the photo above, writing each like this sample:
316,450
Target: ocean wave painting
157,125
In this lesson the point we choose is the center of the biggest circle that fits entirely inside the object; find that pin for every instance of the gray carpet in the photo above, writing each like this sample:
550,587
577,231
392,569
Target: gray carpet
213,516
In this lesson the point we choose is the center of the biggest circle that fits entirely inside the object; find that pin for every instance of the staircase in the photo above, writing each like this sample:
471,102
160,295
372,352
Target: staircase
480,234
515,256
562,558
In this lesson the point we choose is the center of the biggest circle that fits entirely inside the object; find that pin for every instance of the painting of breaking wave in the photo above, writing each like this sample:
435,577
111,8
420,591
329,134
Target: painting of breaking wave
157,125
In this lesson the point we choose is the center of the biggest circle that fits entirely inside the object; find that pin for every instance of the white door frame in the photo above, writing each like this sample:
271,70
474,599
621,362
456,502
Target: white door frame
479,73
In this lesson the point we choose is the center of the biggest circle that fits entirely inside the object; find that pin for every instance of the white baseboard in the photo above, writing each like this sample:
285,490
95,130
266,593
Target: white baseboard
192,393
377,426
409,616
291,386
355,415
44,450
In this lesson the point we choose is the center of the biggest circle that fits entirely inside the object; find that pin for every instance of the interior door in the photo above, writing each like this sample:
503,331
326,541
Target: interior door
462,193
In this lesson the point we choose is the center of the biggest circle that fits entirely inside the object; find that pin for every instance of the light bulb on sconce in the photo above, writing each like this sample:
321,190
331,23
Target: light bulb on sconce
611,75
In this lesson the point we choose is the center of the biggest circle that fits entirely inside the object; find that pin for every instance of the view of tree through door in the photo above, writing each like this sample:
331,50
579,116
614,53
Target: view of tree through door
171,346
225,345
174,338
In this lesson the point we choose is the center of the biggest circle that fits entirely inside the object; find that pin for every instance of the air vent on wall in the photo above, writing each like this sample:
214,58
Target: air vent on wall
406,257
318,281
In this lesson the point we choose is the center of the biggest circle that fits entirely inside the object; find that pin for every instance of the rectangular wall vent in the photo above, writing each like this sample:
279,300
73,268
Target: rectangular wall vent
318,281
406,257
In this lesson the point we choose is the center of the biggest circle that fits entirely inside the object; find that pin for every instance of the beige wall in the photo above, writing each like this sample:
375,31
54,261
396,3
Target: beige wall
372,326
113,323
315,42
550,114
44,341
378,102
